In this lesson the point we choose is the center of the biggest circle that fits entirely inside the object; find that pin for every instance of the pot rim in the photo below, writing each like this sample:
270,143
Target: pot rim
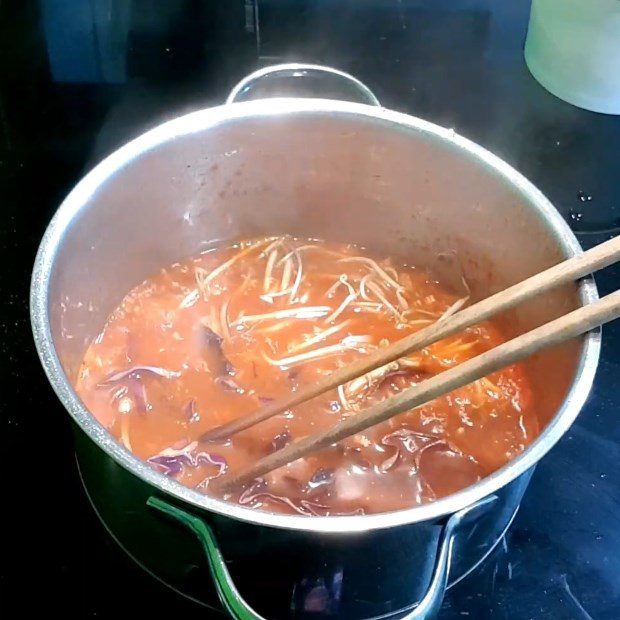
207,118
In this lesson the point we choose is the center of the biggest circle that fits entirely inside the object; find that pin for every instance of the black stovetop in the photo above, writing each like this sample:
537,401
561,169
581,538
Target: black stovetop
77,79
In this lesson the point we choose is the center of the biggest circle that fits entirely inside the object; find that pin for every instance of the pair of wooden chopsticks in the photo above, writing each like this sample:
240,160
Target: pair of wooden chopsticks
568,326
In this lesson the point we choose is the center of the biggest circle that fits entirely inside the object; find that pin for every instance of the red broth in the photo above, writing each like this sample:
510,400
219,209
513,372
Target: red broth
217,336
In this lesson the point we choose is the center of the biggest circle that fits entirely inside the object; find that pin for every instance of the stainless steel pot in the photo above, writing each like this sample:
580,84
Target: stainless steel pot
314,168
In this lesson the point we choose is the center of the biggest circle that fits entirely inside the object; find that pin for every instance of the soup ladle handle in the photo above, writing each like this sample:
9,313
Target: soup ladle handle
426,609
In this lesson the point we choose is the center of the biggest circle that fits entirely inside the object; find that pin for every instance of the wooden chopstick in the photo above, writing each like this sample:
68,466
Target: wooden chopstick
572,269
568,326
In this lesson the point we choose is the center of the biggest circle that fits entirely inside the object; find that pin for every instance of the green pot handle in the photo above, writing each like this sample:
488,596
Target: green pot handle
238,609
229,595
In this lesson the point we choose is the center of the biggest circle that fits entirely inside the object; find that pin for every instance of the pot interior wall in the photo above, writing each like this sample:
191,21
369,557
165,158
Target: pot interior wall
400,191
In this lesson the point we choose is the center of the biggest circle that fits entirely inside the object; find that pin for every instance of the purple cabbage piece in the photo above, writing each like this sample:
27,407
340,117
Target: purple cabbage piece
321,477
388,463
211,338
191,411
171,462
228,384
137,390
407,441
137,370
411,441
258,491
304,507
280,440
132,378
168,465
214,459
216,360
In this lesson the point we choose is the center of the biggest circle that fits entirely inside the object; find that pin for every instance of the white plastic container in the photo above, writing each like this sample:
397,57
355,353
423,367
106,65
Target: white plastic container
573,50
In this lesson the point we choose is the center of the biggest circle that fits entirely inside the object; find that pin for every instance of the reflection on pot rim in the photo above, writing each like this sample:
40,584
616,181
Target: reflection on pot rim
208,118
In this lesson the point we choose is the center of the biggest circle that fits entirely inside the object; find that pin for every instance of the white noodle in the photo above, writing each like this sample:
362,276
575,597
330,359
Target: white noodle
269,297
302,248
343,399
341,308
332,349
273,328
276,241
190,299
322,335
224,266
363,282
354,340
377,291
309,312
329,293
368,261
268,269
224,321
286,275
393,273
360,306
491,387
402,302
365,381
200,275
297,277
417,322
454,308
345,281
352,296
435,315
407,362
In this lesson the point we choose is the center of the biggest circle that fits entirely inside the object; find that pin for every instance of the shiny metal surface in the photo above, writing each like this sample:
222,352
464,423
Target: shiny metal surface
327,169
376,574
298,70
234,603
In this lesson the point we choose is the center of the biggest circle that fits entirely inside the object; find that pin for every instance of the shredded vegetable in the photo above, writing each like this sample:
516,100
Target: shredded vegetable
215,337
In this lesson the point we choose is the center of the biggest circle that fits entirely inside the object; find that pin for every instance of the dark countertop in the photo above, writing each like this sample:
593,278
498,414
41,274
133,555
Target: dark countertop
79,79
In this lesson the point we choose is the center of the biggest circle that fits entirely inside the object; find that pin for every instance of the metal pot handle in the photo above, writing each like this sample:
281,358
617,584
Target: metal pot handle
238,609
299,70
430,604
